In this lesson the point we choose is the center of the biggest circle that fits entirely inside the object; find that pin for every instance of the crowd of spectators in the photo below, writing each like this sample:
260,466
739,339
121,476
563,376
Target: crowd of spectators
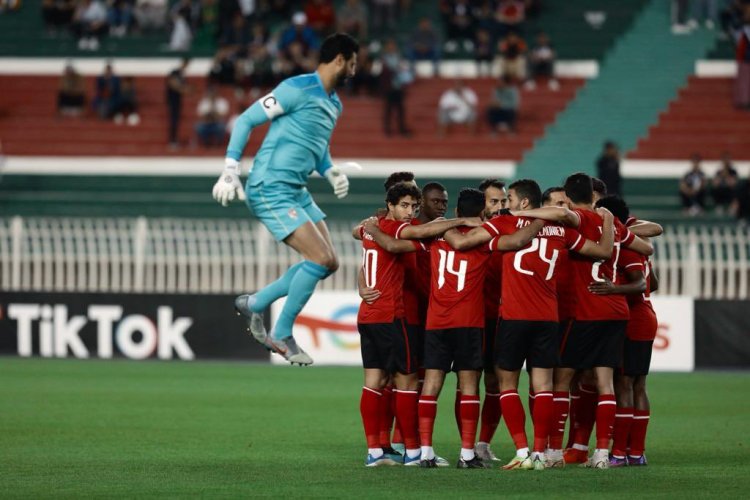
725,188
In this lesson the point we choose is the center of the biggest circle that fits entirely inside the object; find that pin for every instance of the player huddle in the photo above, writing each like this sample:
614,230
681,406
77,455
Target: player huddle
556,280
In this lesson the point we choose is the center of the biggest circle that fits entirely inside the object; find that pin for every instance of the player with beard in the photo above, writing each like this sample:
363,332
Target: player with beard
495,199
303,111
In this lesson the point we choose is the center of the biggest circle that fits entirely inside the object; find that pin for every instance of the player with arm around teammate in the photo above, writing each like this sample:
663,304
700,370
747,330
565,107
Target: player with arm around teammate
303,111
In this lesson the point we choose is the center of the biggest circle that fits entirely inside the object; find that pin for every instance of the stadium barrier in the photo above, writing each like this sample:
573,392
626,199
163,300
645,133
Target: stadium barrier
213,256
722,334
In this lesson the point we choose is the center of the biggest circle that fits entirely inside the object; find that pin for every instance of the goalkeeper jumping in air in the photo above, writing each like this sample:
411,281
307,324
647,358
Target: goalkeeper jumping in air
303,110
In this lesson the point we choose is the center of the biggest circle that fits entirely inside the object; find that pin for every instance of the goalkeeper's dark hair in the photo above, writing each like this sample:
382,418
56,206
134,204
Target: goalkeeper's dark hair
578,188
433,186
599,187
400,190
397,177
547,194
338,43
529,189
616,205
488,183
470,203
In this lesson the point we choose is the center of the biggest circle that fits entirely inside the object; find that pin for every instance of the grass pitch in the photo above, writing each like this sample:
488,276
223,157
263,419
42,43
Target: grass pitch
75,429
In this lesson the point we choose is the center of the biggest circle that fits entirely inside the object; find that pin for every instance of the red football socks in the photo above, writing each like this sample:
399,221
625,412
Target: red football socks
605,420
406,414
637,440
621,431
427,413
585,415
369,408
544,409
515,418
561,406
469,420
386,416
490,417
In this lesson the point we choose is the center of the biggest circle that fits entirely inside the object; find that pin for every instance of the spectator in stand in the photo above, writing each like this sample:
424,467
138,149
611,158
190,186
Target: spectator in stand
57,14
120,16
458,106
176,88
237,35
71,94
89,24
365,77
741,206
384,14
256,71
693,188
513,57
299,32
505,101
608,168
183,18
126,108
459,19
150,14
395,77
510,15
724,185
352,19
321,17
484,52
425,46
703,10
542,64
107,93
223,69
484,18
742,53
296,62
212,114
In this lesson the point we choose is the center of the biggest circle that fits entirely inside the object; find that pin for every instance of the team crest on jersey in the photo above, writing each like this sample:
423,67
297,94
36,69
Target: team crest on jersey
292,213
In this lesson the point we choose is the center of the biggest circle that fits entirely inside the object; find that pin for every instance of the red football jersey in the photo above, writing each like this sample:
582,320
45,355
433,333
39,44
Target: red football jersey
419,280
565,289
642,324
529,275
588,306
384,271
493,282
457,285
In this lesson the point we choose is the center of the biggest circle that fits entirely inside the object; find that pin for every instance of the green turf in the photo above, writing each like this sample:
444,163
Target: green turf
73,429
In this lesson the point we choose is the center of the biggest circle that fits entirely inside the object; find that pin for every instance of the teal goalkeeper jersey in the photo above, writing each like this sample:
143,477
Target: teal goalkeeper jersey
302,118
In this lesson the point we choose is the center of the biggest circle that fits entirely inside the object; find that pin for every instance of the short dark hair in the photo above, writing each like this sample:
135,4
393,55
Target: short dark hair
578,188
547,194
400,190
495,183
616,205
397,177
529,189
338,43
470,203
598,186
433,186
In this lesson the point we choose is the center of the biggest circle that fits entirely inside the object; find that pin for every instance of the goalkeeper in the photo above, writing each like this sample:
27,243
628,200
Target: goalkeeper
303,111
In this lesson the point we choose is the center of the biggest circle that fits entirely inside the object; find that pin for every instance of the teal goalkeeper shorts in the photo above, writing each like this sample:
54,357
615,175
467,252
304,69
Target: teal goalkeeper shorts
282,207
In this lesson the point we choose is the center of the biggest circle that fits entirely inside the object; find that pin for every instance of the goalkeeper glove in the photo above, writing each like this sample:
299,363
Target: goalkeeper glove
338,178
229,186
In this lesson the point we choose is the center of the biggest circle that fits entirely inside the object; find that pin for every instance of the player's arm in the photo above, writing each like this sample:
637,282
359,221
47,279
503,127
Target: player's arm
640,245
465,241
653,279
561,215
369,295
386,241
603,248
437,227
647,229
521,238
636,284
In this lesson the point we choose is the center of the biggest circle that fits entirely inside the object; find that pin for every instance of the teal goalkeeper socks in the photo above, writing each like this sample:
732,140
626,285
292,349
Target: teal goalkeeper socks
279,288
301,288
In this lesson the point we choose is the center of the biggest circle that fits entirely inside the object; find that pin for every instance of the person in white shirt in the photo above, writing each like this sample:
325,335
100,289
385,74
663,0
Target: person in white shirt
458,106
212,113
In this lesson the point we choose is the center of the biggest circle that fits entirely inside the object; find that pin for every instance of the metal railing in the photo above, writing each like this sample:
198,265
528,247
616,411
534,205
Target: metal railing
164,255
